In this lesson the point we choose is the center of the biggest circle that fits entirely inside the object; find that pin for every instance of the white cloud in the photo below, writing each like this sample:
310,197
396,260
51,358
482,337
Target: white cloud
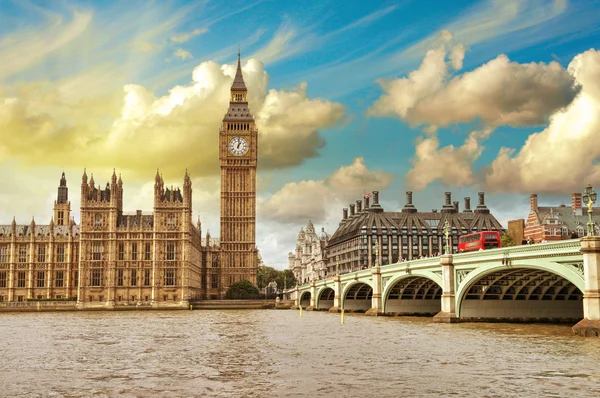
497,93
183,37
38,127
450,165
563,156
182,54
322,200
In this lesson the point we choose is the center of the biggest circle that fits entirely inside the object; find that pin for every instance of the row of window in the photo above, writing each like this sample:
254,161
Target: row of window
97,277
41,253
40,279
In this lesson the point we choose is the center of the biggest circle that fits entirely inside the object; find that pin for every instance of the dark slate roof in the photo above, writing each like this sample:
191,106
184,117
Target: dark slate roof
238,112
134,221
422,222
40,230
238,81
567,217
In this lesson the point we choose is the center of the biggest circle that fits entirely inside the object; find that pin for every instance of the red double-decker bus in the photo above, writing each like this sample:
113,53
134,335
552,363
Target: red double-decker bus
479,241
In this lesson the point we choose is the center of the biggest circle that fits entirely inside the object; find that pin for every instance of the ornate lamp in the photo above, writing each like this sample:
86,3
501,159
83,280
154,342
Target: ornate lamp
589,197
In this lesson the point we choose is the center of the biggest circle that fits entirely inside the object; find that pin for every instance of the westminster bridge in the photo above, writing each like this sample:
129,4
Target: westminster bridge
557,281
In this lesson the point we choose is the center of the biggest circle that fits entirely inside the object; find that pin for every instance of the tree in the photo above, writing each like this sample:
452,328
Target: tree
242,290
266,275
285,278
506,240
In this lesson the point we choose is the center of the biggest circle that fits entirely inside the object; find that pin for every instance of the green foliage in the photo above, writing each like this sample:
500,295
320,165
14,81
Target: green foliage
506,240
266,275
242,290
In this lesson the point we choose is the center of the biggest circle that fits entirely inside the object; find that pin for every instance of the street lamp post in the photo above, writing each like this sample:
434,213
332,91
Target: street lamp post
589,197
337,265
447,233
376,250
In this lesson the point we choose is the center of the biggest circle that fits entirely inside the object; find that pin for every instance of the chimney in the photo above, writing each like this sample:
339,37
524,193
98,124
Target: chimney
345,213
467,206
358,206
576,201
375,198
456,206
351,210
533,202
409,207
447,207
481,207
366,202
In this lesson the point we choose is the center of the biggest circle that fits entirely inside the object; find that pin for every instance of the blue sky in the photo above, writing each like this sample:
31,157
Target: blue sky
346,96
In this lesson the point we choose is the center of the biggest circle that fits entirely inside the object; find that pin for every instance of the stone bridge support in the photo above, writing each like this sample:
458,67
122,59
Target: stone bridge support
337,287
376,304
313,296
448,312
590,325
297,299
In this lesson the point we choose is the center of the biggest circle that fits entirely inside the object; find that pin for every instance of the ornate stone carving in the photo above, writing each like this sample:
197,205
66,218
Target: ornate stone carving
462,274
384,281
578,268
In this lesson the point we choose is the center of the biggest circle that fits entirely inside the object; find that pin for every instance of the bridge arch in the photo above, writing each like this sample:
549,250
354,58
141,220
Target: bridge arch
521,292
356,296
324,299
416,293
304,300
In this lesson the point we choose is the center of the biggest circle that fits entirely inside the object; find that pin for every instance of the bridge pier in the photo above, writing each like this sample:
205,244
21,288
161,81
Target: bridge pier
448,312
590,324
376,305
337,287
313,296
297,299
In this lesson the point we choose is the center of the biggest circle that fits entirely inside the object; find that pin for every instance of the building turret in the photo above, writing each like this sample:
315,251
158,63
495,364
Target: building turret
62,206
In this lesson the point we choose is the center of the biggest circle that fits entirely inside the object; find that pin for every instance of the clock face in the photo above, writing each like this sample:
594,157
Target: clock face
238,146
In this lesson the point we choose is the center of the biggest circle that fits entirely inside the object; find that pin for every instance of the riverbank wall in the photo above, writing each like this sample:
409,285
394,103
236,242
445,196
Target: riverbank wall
47,306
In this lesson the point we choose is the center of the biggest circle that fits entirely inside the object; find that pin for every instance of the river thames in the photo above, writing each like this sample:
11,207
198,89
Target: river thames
269,353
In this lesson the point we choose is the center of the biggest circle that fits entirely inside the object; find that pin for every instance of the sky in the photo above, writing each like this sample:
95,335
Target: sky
501,97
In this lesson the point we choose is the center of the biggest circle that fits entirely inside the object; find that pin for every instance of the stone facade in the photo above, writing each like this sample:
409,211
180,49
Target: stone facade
308,263
157,259
550,223
238,153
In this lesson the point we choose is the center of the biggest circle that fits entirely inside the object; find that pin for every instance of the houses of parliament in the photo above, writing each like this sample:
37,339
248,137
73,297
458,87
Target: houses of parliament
113,259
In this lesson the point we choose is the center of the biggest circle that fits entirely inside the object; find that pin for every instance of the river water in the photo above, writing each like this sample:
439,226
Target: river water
275,353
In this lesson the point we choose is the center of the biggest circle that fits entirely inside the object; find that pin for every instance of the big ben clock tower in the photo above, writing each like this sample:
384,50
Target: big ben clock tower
238,150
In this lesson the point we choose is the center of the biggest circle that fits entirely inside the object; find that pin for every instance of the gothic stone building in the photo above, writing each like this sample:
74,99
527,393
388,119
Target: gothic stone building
369,235
309,261
157,259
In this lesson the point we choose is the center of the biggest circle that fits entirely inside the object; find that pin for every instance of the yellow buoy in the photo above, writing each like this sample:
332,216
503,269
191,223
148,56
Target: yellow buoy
342,317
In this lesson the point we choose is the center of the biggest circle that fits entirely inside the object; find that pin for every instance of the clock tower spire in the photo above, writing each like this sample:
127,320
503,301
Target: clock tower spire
238,155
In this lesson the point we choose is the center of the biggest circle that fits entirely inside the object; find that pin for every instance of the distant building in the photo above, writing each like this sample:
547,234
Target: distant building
369,236
516,230
551,223
308,262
